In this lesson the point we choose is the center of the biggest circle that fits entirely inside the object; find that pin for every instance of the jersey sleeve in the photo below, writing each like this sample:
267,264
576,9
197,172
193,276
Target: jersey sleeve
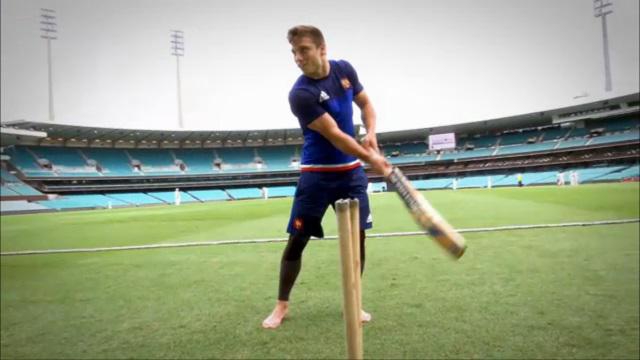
352,75
305,106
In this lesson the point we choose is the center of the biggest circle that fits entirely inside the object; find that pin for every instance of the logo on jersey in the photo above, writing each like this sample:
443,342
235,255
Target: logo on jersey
323,96
297,224
346,84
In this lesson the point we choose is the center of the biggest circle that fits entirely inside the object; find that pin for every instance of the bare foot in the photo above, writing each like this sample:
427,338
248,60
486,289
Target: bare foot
277,315
365,317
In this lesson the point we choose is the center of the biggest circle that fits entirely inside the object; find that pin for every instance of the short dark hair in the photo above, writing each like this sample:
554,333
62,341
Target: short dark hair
306,30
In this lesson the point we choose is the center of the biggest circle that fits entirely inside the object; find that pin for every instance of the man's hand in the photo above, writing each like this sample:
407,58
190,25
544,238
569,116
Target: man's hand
370,141
378,163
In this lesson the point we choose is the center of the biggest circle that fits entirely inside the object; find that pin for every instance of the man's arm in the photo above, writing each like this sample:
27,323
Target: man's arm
368,119
327,127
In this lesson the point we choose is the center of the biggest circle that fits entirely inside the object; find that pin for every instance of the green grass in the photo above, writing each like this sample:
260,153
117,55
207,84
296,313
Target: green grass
545,293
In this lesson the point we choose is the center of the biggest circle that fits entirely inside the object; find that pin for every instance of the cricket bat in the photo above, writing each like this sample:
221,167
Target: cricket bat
426,216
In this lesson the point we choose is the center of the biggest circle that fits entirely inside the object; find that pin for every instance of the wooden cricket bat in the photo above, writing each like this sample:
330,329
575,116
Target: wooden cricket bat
426,216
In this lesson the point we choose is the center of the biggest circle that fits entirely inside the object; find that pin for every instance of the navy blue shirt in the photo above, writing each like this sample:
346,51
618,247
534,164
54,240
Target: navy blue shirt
310,98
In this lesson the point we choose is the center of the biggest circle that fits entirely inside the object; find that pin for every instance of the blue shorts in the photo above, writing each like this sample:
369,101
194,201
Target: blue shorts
317,190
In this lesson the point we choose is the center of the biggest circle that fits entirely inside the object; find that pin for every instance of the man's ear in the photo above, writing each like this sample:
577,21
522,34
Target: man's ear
323,50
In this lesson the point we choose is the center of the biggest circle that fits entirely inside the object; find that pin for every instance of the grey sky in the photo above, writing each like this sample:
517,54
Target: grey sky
423,63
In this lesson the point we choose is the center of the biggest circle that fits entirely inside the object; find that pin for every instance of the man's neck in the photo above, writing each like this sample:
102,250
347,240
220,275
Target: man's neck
323,72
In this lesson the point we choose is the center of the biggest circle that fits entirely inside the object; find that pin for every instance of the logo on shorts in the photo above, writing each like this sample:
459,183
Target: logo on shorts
297,224
345,83
369,219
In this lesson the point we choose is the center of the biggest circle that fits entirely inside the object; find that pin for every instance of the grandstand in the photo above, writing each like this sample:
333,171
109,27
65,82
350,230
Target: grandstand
63,169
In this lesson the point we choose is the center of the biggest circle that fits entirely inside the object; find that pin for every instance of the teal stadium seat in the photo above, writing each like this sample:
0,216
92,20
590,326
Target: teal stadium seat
6,191
517,138
25,162
575,142
198,161
482,141
136,199
626,136
81,202
209,195
155,161
432,184
114,162
169,196
528,148
277,158
281,191
554,134
245,193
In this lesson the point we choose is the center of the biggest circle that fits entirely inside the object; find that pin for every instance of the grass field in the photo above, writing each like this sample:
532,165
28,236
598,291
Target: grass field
543,293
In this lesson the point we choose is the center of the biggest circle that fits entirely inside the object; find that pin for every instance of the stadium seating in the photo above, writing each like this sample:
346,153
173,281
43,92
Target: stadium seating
482,141
432,184
198,161
277,158
25,161
578,132
626,136
528,178
571,143
12,186
472,182
517,138
245,193
6,191
619,125
22,189
621,174
169,196
474,153
554,134
236,157
593,174
6,176
20,206
281,191
114,162
209,195
136,199
81,201
63,156
154,161
413,148
514,149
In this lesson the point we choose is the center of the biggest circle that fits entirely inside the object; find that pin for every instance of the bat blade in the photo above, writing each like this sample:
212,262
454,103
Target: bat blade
426,216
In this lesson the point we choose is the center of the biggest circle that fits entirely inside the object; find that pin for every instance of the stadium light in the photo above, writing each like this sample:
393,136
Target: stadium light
49,31
602,8
177,48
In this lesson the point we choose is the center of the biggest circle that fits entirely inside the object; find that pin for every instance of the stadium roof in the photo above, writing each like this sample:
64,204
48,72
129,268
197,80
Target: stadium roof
30,132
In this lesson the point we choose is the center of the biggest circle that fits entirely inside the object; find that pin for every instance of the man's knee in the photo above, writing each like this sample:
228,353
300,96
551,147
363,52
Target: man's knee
295,246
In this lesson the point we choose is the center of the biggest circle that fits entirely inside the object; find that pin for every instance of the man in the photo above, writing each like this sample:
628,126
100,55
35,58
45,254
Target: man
176,196
560,178
322,99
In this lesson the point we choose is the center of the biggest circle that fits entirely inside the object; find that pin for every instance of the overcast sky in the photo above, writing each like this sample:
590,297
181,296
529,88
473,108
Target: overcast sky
423,63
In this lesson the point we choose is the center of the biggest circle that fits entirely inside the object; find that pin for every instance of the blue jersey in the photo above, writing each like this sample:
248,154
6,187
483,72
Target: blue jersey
310,98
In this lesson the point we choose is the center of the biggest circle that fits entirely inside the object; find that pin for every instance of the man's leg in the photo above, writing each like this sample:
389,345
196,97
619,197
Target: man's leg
364,316
290,266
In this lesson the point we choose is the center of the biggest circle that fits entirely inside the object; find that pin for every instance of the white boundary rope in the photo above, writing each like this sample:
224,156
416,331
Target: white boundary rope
331,237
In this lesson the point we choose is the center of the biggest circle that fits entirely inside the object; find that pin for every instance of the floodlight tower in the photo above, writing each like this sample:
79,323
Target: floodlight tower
177,48
49,31
602,8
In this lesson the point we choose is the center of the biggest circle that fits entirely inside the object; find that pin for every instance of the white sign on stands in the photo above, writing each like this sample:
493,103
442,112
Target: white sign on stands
442,141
